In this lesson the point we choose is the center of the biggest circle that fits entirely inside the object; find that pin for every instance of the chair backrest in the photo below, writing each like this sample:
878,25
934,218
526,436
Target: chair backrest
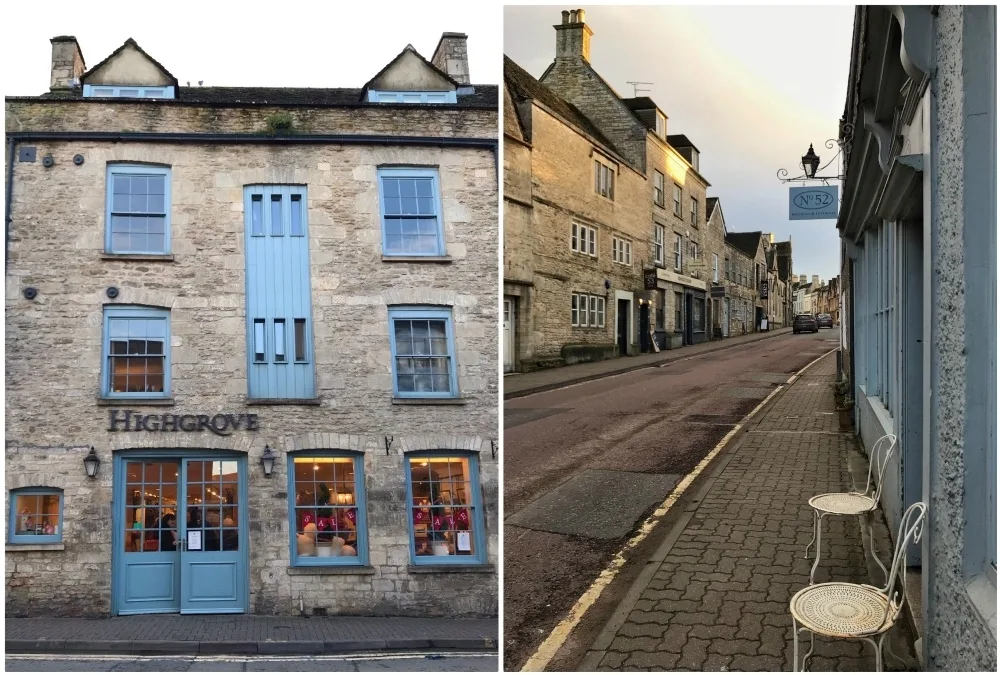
877,463
911,529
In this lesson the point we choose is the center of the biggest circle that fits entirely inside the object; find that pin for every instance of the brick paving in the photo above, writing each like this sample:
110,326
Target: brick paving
310,633
522,384
719,598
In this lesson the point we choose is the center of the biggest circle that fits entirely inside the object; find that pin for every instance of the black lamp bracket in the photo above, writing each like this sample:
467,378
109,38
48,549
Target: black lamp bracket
846,137
388,443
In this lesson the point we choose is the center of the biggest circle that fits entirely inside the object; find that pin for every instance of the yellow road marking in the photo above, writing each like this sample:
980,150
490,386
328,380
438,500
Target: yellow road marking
557,638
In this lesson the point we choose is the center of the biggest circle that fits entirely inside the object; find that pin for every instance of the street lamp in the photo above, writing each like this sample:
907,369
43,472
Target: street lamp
267,460
810,162
91,462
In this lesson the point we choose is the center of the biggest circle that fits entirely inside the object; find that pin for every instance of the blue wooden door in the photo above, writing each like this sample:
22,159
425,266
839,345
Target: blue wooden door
279,305
148,574
213,560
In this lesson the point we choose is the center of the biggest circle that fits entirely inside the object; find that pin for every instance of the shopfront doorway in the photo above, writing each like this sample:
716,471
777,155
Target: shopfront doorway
509,323
180,533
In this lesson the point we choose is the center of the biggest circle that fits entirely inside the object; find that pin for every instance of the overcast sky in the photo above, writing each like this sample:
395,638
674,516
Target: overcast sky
751,87
332,44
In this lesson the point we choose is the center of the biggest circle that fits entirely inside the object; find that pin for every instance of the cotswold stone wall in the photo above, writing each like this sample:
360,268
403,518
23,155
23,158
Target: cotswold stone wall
53,343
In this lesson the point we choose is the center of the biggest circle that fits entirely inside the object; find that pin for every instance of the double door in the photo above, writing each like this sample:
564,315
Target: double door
180,535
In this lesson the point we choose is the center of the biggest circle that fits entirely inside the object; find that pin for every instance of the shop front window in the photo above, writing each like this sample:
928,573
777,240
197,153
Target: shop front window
445,526
328,520
35,516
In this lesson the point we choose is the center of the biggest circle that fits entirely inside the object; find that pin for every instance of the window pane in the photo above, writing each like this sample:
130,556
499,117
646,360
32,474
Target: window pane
256,215
258,341
297,228
442,512
275,215
300,339
279,340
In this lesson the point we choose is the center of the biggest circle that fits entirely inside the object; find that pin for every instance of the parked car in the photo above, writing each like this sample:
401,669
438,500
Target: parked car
824,321
805,323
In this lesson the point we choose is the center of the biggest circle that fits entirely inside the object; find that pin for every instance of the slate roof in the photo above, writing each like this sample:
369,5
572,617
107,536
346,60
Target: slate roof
523,86
640,103
746,242
485,96
680,141
710,204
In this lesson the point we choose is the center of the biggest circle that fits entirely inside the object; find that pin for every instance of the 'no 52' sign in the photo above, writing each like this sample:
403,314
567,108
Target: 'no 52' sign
813,203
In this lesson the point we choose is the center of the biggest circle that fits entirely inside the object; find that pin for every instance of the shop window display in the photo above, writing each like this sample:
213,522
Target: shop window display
328,524
443,503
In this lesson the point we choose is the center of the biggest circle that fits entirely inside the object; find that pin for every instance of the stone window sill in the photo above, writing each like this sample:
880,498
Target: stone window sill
451,569
284,401
161,402
141,257
417,258
332,570
13,548
429,401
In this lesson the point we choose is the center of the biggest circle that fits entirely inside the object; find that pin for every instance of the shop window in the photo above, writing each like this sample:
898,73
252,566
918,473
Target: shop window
136,352
137,218
445,510
35,516
411,212
327,509
423,352
661,308
678,314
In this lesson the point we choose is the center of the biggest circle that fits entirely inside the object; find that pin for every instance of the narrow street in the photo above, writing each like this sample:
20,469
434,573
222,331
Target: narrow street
586,464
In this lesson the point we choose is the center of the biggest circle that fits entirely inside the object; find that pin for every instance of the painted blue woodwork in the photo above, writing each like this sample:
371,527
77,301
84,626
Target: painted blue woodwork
477,520
137,209
410,205
22,526
375,96
360,503
422,340
148,581
278,293
101,91
133,334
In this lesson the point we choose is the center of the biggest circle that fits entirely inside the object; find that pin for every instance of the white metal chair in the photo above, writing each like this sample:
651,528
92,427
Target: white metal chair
857,611
853,503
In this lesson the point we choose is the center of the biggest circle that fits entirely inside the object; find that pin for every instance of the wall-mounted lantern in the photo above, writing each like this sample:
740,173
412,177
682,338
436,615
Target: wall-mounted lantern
267,460
91,463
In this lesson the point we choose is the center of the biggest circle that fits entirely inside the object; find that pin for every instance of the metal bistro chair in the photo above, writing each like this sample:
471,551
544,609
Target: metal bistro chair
857,611
853,503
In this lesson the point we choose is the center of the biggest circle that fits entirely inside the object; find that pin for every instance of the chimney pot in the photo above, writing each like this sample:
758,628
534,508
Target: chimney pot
565,16
581,16
816,279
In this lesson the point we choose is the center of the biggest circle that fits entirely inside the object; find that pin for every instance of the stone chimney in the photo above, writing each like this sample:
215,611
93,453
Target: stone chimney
67,63
573,36
816,279
452,57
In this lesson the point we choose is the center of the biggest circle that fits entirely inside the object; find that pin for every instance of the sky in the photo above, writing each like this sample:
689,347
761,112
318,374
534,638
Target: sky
751,87
317,44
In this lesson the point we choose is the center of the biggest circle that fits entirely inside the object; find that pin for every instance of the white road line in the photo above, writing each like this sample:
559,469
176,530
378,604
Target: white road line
557,638
222,658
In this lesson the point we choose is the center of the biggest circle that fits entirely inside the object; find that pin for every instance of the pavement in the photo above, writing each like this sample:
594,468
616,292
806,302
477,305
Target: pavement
161,634
586,465
360,663
522,384
714,596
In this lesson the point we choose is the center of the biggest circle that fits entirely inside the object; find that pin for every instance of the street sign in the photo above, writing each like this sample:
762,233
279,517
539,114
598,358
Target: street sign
813,203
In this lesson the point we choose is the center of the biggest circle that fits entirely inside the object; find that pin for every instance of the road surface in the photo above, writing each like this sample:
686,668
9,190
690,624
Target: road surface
585,465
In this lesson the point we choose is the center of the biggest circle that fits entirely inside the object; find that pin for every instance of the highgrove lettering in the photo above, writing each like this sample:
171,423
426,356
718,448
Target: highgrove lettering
221,424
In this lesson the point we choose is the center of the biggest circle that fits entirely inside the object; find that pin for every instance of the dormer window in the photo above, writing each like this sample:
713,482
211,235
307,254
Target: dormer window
661,125
375,96
96,91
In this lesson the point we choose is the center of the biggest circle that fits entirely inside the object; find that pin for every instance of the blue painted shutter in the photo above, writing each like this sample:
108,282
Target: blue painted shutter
279,306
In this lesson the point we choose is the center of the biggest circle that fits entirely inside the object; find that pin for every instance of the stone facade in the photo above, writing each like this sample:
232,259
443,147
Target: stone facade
53,343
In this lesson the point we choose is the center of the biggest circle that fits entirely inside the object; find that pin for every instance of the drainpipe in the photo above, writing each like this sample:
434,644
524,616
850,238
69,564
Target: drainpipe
11,147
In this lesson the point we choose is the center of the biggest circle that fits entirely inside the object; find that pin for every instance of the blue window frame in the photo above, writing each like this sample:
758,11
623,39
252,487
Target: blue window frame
99,91
411,212
328,520
136,352
445,509
423,352
36,516
137,218
375,96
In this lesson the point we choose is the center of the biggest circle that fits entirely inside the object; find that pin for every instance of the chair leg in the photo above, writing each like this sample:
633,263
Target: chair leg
795,646
819,549
813,541
879,659
878,655
871,538
812,648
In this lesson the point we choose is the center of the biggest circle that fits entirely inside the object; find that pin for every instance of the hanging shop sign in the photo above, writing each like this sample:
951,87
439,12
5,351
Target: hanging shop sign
813,203
763,290
220,424
649,279
718,291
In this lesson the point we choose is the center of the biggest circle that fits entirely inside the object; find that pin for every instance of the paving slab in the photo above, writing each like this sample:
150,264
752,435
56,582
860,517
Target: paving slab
596,503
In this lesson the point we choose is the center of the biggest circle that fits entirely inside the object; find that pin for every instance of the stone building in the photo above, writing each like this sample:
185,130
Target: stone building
740,295
918,231
265,319
783,251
